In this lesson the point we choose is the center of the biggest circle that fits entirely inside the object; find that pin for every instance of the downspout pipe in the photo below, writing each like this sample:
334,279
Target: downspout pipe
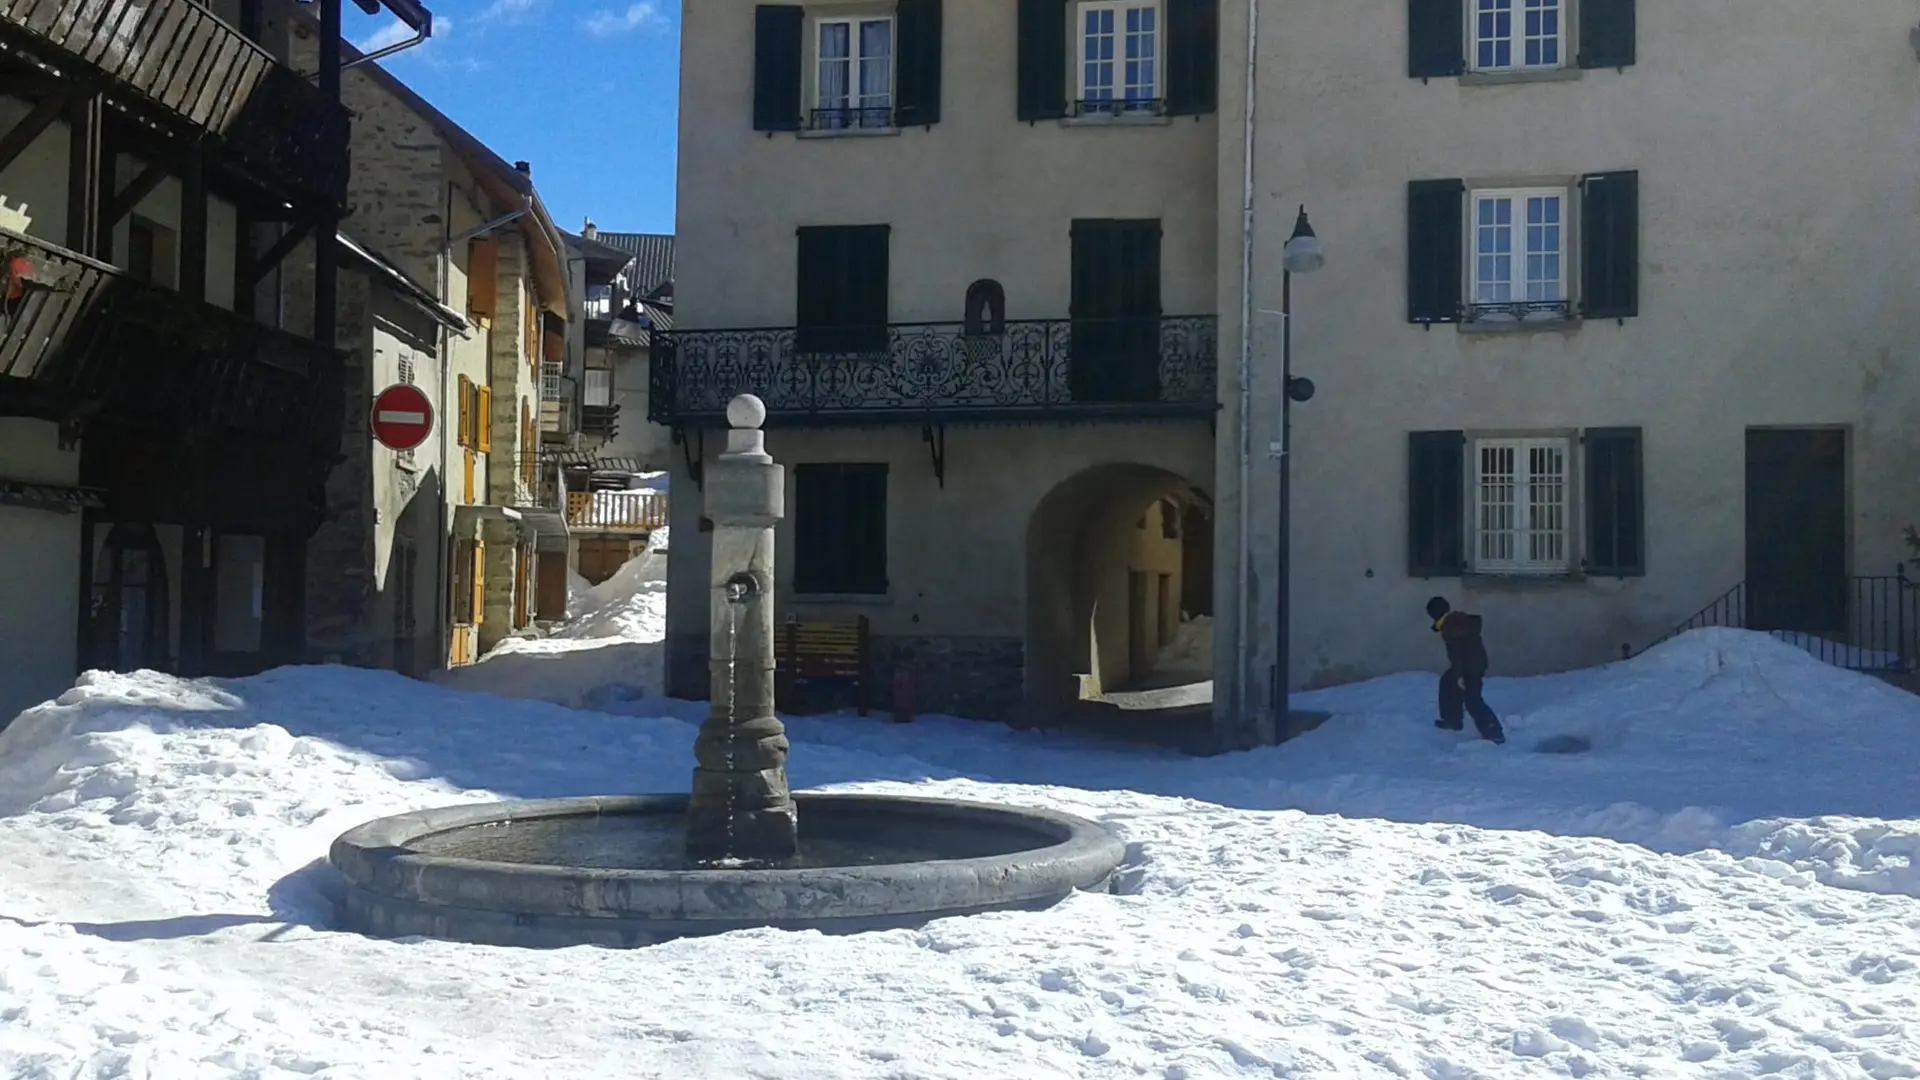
502,221
1243,606
419,37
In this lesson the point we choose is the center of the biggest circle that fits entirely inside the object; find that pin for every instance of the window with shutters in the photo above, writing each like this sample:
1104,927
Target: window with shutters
1510,40
1519,254
1495,256
840,529
483,419
853,74
1520,520
1118,61
483,280
1517,35
1502,505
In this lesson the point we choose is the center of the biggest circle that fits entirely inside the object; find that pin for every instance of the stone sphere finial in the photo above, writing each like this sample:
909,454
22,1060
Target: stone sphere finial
746,411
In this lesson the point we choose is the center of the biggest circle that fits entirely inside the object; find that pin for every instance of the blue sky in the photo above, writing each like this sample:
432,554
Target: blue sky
586,90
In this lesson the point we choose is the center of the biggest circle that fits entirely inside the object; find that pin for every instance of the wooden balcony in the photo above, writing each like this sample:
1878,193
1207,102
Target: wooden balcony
178,61
616,511
1149,367
78,337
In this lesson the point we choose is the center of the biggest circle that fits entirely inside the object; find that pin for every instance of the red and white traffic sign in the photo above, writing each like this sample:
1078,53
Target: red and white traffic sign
402,417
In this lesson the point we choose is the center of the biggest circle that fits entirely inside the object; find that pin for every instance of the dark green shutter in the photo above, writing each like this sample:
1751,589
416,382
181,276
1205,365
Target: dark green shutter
1436,503
1616,503
917,91
1193,50
864,302
815,288
1607,33
864,540
776,66
1436,38
1436,232
1610,241
1042,59
816,511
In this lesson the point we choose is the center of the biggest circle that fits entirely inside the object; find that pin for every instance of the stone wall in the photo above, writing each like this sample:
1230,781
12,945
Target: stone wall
500,536
507,371
340,554
981,678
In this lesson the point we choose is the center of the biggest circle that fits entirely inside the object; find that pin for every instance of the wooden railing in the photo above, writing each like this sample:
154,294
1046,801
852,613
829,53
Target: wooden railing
79,331
616,510
181,57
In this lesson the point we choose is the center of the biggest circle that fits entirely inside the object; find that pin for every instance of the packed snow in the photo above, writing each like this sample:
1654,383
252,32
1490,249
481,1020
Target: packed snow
1698,863
611,640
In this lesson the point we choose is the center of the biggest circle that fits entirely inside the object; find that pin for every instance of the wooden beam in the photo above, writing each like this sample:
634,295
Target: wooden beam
134,193
87,122
38,120
33,85
193,223
273,256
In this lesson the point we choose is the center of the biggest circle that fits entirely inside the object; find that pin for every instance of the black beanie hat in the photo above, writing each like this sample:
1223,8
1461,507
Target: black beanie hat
1437,607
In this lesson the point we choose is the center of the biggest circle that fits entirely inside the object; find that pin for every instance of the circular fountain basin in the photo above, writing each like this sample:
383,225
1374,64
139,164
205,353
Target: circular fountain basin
609,871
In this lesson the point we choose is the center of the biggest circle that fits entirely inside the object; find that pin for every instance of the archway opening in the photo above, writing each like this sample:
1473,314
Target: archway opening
1119,594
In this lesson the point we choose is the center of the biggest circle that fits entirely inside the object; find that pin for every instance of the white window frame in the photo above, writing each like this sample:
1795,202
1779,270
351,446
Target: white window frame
1155,88
1517,37
598,384
854,61
1535,516
1519,277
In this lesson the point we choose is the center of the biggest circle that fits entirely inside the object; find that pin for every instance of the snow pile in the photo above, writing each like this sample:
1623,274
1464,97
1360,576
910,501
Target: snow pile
1376,898
1191,648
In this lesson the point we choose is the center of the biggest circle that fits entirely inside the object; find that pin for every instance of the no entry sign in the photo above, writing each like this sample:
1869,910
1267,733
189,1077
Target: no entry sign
402,417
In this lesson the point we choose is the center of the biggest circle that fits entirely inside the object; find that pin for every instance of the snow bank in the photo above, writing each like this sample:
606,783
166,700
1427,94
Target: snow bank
1191,648
1376,898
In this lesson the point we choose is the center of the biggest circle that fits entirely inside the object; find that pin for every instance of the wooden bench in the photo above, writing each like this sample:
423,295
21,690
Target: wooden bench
822,666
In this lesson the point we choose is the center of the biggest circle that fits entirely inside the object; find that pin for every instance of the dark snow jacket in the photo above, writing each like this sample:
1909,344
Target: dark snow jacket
1466,652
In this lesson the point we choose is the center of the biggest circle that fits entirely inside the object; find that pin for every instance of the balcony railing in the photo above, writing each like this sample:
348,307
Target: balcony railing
1066,368
78,331
180,57
600,421
617,511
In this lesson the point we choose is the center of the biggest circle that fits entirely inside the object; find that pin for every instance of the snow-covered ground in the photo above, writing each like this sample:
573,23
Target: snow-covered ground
1723,885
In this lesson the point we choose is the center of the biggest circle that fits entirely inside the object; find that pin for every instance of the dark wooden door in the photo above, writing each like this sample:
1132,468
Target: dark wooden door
602,557
1797,531
1115,351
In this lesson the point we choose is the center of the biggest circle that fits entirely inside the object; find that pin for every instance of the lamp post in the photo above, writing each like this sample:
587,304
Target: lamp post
1300,256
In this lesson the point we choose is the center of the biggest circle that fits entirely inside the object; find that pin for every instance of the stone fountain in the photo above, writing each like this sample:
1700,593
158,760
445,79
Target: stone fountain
741,850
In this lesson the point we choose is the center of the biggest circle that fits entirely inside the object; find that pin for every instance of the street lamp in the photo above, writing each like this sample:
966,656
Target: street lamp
1300,256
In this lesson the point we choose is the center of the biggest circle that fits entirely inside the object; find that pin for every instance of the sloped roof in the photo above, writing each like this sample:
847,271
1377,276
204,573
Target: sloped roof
652,258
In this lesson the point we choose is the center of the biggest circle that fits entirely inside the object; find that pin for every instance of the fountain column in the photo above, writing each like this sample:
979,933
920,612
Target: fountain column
741,807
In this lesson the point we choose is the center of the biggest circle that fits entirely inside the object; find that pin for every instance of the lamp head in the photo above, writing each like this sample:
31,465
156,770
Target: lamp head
1302,252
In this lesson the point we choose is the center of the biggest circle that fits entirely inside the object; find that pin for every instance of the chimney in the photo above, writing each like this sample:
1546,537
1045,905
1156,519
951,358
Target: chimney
525,167
592,231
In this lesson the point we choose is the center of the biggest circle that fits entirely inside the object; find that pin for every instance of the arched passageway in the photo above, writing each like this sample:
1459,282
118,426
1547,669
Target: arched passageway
1111,556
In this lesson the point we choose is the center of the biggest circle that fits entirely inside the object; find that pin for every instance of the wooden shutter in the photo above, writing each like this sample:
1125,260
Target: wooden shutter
478,577
777,30
1610,245
916,94
864,544
1616,503
1436,233
483,419
1436,503
817,511
1042,59
1192,57
842,288
467,491
1607,33
466,411
556,348
1436,38
483,280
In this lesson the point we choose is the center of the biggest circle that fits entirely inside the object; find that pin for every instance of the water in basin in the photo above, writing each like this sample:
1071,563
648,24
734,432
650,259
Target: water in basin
656,842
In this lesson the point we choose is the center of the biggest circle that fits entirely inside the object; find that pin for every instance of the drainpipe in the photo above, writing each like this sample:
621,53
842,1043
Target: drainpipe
1243,645
419,37
505,219
444,272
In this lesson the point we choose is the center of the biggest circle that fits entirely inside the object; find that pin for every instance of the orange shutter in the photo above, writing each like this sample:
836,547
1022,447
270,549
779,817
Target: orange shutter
483,430
483,280
556,348
466,415
467,492
479,583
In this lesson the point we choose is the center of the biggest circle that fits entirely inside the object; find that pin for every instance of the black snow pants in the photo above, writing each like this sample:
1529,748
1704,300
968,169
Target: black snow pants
1459,691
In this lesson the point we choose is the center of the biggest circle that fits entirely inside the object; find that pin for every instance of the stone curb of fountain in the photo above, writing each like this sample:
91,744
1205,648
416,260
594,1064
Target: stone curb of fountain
394,891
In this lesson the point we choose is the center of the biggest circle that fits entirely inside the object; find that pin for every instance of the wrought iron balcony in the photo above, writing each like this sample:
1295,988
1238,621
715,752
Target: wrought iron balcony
78,337
1518,311
183,61
1137,368
850,118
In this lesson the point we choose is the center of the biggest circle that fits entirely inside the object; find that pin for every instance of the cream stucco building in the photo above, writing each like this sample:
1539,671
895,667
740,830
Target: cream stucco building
1609,328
